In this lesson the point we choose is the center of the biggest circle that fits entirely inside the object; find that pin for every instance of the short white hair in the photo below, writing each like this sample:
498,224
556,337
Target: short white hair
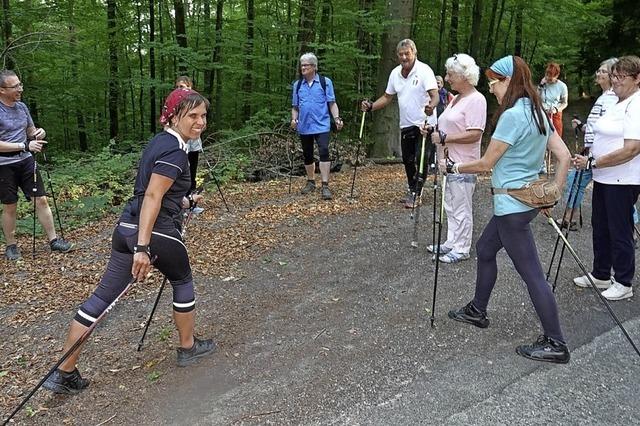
407,43
309,58
464,65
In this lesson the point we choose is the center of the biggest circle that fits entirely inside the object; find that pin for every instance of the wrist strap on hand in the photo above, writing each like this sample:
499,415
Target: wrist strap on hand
139,248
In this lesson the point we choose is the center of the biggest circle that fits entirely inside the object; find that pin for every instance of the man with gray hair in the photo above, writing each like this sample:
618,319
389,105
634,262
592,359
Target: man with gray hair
415,84
313,100
18,139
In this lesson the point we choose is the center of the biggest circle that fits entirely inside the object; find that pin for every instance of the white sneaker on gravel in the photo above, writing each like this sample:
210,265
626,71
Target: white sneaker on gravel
583,282
432,248
618,291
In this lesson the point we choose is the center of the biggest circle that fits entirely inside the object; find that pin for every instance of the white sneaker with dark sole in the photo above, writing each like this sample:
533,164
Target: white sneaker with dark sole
583,282
618,291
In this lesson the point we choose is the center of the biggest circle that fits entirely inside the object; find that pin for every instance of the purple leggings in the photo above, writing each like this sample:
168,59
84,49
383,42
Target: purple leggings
513,232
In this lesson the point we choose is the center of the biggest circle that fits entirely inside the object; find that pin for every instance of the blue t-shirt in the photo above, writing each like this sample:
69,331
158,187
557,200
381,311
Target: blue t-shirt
165,155
14,122
313,117
521,162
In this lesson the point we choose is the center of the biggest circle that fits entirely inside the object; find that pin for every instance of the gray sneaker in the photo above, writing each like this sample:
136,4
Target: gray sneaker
199,349
61,245
326,193
12,252
66,383
309,187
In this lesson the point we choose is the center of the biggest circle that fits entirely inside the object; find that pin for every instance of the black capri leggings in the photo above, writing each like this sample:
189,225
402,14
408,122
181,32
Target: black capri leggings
322,139
172,262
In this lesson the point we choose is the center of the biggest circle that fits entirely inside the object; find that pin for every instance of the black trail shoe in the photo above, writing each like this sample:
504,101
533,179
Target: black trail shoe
12,252
199,349
471,315
326,193
61,245
309,187
545,349
66,383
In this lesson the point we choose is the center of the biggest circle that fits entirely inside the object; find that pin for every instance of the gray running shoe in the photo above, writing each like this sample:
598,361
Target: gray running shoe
309,187
66,383
12,252
326,193
61,245
199,349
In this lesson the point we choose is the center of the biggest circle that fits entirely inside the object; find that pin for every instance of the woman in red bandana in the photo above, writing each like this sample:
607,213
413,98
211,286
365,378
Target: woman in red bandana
150,226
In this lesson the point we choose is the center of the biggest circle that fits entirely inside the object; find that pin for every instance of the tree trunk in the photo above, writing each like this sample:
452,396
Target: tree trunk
306,25
365,65
247,84
217,60
497,31
181,32
113,68
385,131
474,39
453,26
140,71
325,24
517,44
6,34
443,20
490,36
207,87
152,67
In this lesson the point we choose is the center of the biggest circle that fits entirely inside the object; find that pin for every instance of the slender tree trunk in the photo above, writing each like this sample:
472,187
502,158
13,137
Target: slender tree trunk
517,44
476,22
247,84
306,25
161,33
490,36
386,133
181,32
141,70
507,34
113,68
365,66
217,60
453,26
325,17
494,40
6,33
443,20
152,67
208,71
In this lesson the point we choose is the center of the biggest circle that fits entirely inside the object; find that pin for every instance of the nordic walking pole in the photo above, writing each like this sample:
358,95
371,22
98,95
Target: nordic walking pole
593,285
33,194
435,198
417,196
213,176
573,210
564,214
355,168
437,251
290,163
72,349
53,195
153,311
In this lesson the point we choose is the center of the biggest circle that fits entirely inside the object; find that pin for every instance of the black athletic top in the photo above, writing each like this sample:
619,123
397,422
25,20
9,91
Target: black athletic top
165,155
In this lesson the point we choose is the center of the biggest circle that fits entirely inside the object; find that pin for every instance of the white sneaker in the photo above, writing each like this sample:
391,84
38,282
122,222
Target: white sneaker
583,282
197,210
617,291
432,248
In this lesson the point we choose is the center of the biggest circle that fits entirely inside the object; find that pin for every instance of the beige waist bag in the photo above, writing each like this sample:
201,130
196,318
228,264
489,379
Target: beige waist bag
539,194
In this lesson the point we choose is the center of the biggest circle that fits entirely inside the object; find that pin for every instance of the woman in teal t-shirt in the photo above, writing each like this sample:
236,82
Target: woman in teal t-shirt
515,153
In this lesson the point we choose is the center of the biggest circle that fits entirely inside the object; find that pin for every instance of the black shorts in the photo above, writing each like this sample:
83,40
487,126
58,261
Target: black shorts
19,175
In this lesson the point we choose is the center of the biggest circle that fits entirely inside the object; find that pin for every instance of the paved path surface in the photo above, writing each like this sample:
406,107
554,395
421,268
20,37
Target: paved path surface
337,331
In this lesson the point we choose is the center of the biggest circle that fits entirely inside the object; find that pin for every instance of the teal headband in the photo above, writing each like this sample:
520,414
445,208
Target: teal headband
503,66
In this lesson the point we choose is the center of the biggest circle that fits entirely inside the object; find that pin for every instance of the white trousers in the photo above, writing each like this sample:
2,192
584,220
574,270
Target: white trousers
458,204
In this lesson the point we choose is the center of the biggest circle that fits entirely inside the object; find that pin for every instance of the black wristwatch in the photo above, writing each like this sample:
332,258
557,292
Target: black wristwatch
139,248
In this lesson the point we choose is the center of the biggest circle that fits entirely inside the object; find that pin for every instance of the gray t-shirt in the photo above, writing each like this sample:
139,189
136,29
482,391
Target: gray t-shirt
14,122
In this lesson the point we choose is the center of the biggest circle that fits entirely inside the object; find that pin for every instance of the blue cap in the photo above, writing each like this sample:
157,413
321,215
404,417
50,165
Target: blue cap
503,66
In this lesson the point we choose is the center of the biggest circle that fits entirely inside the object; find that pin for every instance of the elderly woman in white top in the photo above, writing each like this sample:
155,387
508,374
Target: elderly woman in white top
460,129
574,192
615,164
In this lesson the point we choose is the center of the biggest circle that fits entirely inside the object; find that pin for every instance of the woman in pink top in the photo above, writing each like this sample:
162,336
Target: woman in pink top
460,129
